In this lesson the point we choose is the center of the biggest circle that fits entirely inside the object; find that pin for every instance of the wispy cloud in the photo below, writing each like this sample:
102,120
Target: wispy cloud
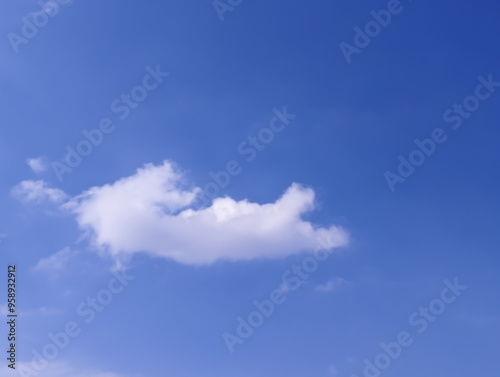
38,165
57,261
38,191
37,312
331,285
333,371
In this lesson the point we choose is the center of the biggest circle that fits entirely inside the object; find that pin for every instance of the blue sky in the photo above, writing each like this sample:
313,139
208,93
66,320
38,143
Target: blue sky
132,205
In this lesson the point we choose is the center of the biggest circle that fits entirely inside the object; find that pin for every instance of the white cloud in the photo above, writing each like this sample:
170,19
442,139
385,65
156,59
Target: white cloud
4,311
331,285
151,211
44,311
36,164
38,191
57,261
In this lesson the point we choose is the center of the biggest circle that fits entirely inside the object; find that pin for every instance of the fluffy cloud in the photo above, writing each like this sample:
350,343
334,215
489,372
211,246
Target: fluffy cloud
152,211
38,191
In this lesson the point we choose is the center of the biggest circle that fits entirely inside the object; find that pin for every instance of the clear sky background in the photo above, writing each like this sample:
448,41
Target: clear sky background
393,249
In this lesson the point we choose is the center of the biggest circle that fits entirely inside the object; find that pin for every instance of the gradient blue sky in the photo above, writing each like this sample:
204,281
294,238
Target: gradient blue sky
353,121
